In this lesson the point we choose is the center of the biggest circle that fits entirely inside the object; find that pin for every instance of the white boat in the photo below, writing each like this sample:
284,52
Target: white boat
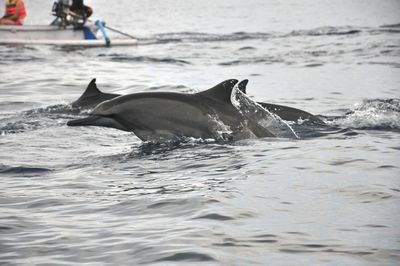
68,29
56,35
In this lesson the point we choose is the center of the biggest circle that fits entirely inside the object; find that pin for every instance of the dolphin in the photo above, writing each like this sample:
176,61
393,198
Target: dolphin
155,116
285,112
92,97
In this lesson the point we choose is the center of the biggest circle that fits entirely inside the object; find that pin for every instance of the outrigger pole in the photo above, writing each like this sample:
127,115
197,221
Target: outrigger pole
120,32
115,30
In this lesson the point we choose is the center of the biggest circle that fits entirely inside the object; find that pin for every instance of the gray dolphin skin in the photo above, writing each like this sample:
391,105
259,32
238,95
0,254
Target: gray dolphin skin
154,116
92,97
285,112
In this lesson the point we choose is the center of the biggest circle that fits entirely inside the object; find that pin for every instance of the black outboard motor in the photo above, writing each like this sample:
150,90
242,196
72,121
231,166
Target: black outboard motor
64,16
60,8
61,11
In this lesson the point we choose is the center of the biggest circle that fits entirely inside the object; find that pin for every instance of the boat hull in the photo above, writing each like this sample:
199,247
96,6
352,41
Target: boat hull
38,32
87,43
54,35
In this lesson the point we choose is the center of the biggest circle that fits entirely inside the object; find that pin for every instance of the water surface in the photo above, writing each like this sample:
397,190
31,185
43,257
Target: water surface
75,196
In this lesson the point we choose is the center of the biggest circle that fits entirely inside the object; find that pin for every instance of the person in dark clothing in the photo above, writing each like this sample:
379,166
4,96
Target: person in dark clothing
79,8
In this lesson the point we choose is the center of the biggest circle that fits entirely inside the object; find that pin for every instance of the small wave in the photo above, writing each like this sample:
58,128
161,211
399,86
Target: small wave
16,105
326,31
241,36
19,58
311,248
24,170
215,216
144,59
254,60
391,64
202,37
389,30
397,25
247,48
156,147
376,114
24,125
37,118
11,126
314,65
53,109
188,256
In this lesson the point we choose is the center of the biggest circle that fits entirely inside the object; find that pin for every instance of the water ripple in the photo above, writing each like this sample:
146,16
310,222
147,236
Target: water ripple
143,59
22,170
187,256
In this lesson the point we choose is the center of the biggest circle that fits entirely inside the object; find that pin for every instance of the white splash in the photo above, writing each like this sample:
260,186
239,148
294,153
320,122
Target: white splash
255,112
222,131
373,114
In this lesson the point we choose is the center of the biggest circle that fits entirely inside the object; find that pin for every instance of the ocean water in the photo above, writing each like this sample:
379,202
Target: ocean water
98,196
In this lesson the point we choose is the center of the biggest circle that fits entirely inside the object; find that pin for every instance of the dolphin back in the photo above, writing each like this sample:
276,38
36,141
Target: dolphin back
285,112
291,114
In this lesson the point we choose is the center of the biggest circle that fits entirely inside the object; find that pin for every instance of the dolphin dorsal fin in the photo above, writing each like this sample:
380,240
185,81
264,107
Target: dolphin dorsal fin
91,89
221,91
242,85
91,92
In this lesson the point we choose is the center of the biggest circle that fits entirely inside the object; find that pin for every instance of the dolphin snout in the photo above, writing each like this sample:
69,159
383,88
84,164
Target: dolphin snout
87,121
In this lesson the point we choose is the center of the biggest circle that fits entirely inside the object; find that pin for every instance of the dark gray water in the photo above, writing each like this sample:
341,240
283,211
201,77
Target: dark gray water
97,196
